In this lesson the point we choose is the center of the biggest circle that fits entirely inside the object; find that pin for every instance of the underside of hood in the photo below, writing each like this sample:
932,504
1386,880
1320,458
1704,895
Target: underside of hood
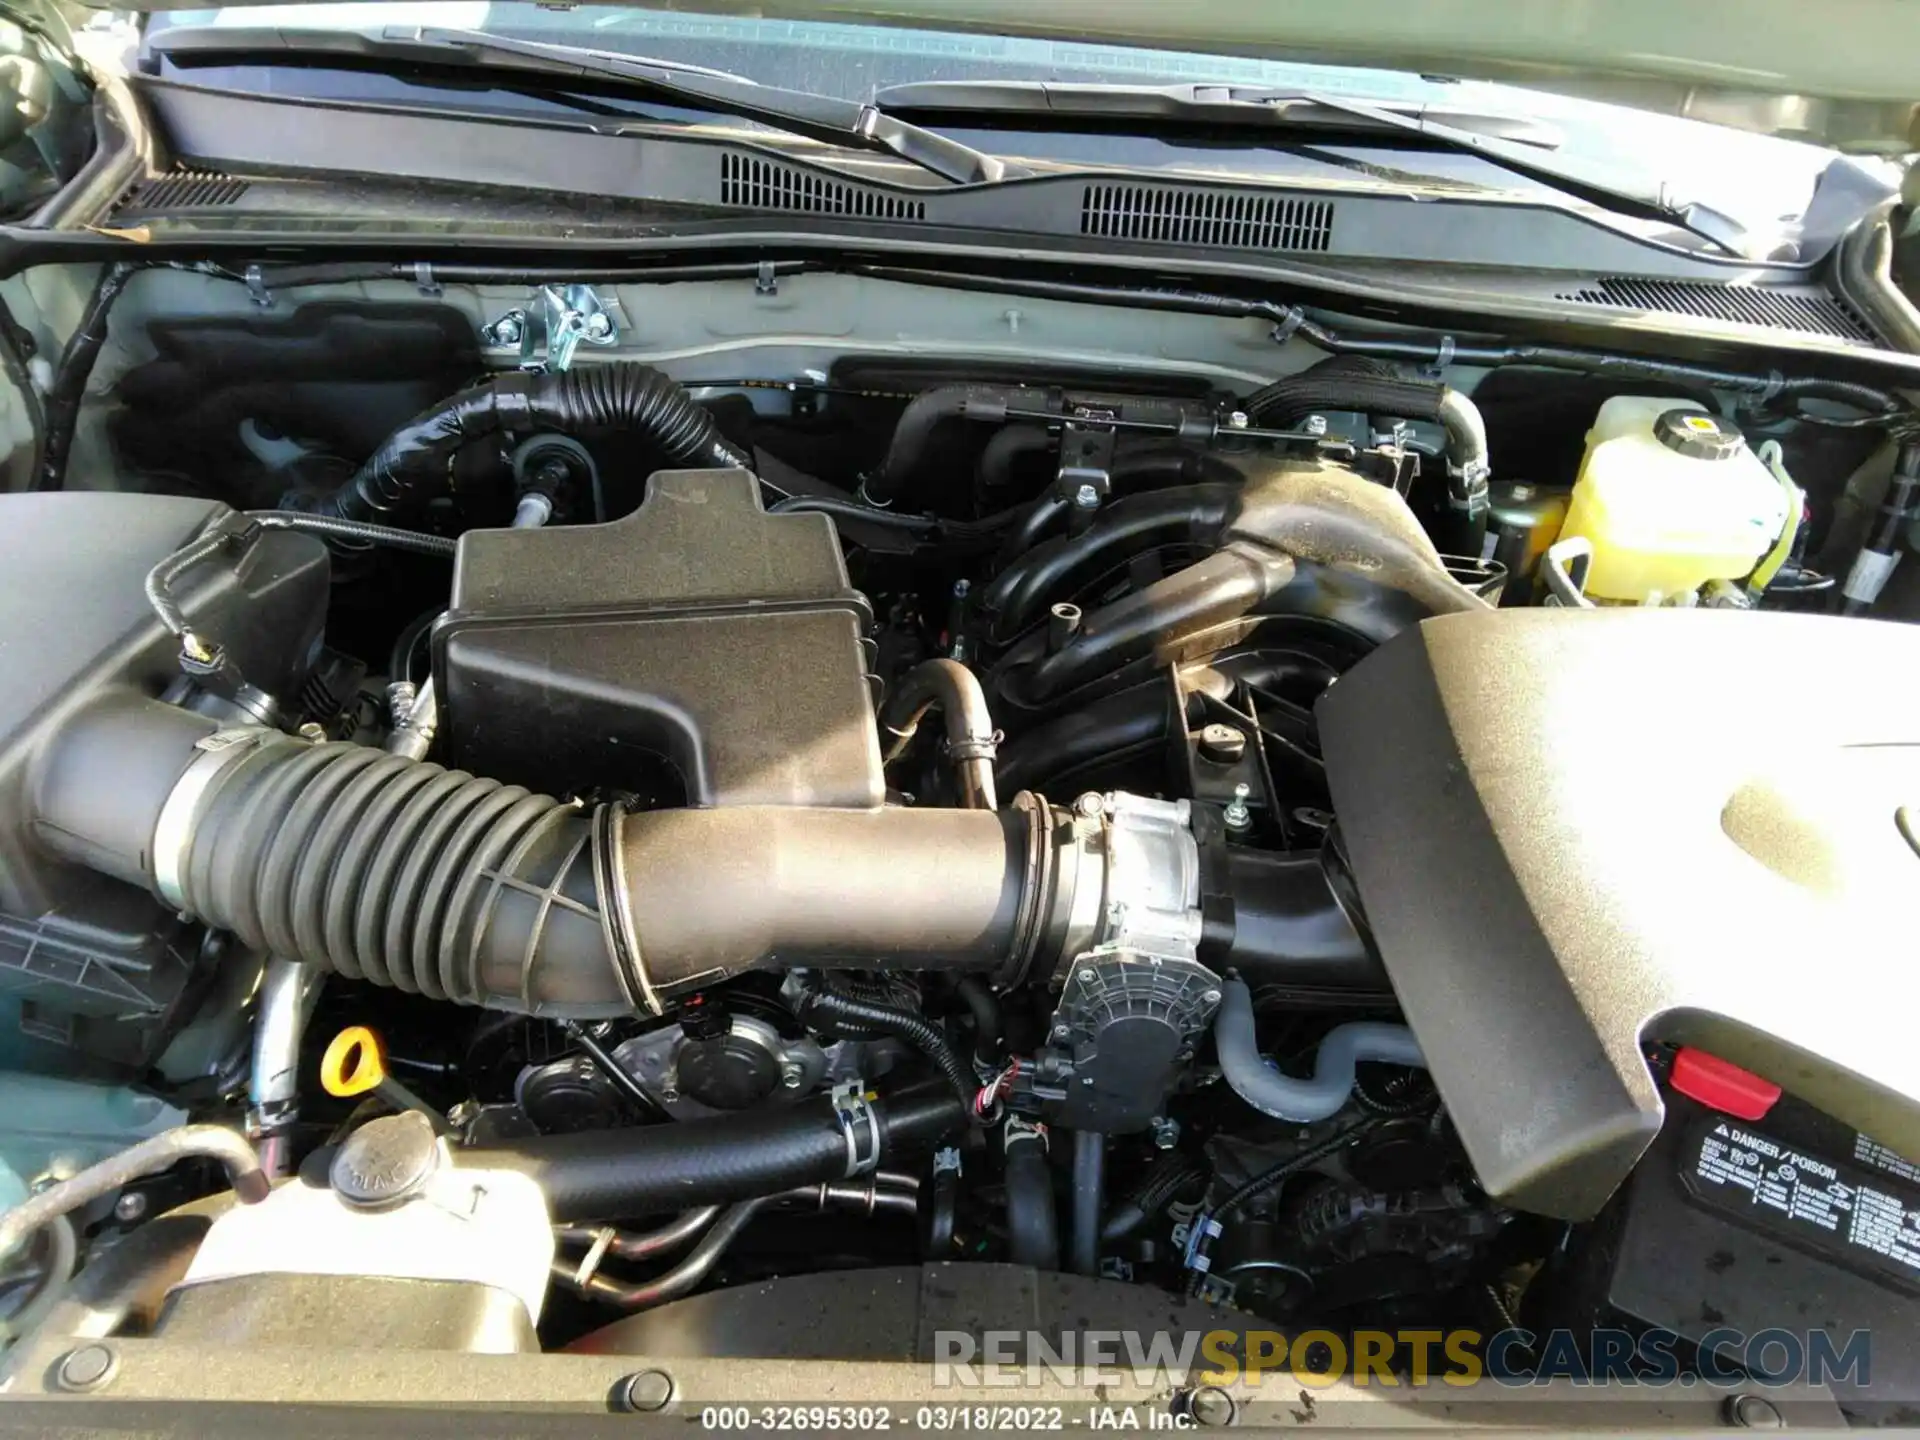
1838,73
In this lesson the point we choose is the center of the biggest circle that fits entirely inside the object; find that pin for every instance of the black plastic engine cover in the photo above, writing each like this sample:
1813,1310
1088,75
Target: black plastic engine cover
698,630
1575,833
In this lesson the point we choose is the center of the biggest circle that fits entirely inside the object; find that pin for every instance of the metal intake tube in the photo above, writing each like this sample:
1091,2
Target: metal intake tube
953,689
281,1011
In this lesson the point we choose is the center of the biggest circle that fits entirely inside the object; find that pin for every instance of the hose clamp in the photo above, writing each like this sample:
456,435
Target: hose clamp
853,1113
616,909
173,831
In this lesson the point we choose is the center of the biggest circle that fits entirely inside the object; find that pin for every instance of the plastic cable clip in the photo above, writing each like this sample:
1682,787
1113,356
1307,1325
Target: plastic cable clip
1869,575
1203,1229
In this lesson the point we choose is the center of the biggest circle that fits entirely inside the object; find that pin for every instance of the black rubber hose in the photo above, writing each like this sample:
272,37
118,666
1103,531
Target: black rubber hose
613,1174
412,466
1897,511
1344,382
70,376
989,1027
854,510
400,657
1033,1221
918,1031
954,690
1172,1174
1089,1199
998,455
1348,382
913,433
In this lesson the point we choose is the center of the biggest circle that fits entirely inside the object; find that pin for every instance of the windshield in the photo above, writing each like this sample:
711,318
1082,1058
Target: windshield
1763,182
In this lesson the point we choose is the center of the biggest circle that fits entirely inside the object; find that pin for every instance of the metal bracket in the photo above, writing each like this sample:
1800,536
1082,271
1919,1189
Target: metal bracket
1086,458
851,1109
257,289
1565,572
556,321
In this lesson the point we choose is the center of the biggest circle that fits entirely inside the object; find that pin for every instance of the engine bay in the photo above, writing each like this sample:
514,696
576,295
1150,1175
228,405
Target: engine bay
596,802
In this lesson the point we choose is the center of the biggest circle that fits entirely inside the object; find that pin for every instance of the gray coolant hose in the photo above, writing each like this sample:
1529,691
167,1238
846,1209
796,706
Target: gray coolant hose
1267,1088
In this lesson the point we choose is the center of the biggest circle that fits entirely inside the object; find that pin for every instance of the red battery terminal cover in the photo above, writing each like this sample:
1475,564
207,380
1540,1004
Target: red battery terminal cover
1722,1084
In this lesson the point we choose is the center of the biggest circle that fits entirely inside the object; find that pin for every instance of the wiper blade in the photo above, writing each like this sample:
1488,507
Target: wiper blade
1515,143
1232,103
825,118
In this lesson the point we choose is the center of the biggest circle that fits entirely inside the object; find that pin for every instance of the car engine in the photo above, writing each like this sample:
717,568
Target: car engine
518,859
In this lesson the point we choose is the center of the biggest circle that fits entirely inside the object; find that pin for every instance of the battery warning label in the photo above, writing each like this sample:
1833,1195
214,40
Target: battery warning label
1832,1206
1869,1151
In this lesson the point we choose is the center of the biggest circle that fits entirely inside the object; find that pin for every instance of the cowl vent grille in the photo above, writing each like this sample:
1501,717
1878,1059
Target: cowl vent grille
1218,219
185,190
1812,311
758,184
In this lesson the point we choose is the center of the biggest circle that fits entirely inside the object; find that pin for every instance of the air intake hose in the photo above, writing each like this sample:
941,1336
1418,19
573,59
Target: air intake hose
401,873
432,881
412,466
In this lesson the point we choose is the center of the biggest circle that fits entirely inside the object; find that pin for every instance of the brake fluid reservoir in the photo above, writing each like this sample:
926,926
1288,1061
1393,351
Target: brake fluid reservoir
1670,497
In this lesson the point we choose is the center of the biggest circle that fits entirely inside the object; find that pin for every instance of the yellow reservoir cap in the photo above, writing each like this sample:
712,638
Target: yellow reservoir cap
355,1063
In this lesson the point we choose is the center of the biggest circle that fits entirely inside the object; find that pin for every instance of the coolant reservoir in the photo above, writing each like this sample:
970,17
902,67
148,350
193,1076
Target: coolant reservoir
1670,497
396,1209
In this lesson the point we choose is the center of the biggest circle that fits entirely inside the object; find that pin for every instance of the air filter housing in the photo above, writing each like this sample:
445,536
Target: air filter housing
697,651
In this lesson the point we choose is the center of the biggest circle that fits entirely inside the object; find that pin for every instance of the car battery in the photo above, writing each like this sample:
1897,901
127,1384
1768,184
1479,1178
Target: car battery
1790,1221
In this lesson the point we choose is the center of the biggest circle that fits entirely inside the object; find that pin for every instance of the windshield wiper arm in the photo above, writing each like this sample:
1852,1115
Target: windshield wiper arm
825,118
1514,143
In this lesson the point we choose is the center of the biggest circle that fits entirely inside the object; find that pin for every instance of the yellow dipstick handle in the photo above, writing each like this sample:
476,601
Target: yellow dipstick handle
355,1063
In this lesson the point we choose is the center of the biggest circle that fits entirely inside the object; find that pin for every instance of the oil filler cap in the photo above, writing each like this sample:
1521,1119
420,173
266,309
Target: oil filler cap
386,1161
1699,436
